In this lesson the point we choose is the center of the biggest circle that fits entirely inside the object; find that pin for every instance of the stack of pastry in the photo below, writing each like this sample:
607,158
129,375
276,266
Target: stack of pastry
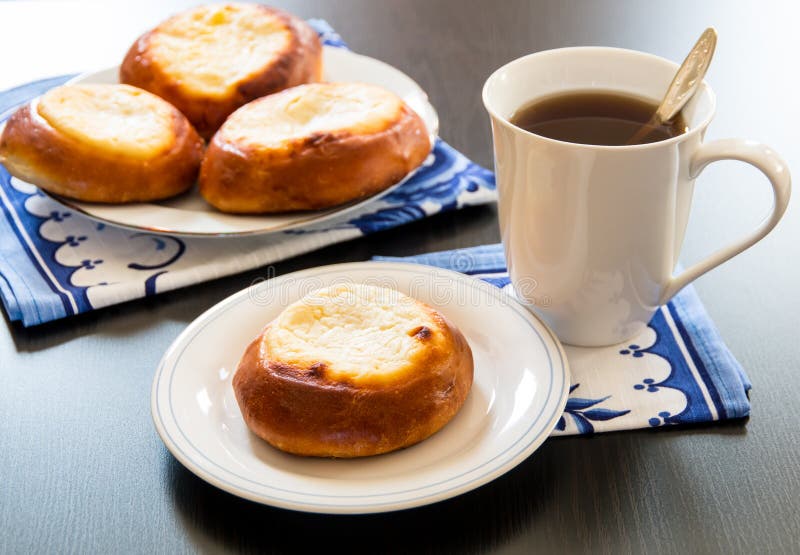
246,77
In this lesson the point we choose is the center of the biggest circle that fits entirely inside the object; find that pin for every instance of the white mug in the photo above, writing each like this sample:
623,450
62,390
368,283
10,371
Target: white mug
592,233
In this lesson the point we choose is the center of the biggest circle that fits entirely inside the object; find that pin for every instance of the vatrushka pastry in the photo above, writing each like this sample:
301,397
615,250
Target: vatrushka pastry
311,147
353,370
102,143
210,60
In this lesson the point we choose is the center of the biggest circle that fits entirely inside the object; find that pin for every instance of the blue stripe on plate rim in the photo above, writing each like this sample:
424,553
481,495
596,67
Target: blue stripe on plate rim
506,464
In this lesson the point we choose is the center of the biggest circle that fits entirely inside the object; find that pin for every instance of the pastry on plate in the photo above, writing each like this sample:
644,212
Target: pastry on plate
102,143
311,147
210,60
353,370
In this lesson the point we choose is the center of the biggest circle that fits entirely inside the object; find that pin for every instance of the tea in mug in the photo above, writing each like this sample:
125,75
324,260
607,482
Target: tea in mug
595,118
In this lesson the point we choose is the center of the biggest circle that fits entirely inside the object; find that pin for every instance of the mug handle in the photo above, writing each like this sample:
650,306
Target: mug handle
771,165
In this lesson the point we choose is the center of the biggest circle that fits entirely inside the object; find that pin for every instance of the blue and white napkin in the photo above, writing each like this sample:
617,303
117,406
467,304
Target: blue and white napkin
55,262
677,371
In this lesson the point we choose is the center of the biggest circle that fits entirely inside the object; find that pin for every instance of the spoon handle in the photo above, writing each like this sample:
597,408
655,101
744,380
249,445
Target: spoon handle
685,83
689,76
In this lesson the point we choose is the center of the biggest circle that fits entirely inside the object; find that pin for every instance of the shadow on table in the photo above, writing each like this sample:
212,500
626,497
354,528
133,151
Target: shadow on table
478,519
573,493
731,427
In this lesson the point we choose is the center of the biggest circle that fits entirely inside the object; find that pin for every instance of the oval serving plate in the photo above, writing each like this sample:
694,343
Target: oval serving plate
188,214
520,389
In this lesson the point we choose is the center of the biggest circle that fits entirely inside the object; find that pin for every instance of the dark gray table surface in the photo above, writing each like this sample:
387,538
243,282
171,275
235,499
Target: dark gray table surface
83,470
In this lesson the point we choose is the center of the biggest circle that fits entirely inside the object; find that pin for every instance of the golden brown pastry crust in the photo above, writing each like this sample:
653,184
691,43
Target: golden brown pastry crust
318,171
300,62
34,151
303,411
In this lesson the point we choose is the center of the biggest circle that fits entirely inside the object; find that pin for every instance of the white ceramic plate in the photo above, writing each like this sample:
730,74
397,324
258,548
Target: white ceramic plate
189,214
519,392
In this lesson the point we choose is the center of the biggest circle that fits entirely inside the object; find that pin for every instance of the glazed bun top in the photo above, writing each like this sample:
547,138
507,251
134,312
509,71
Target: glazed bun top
211,49
358,334
117,119
310,112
